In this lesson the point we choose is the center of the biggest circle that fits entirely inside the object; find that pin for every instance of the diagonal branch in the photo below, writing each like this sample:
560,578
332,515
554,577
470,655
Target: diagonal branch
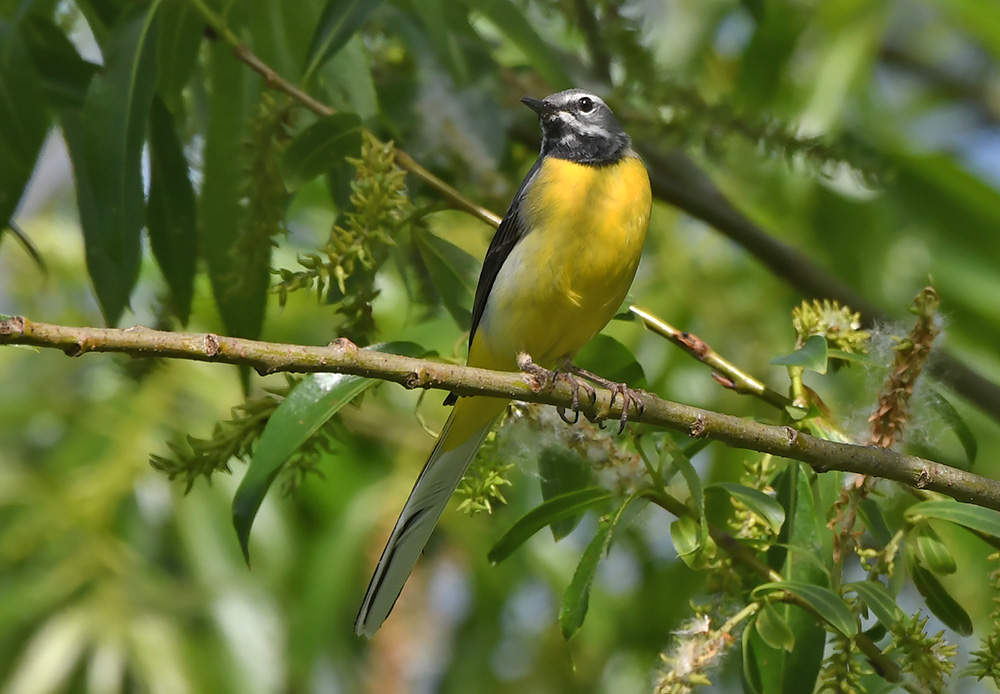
342,356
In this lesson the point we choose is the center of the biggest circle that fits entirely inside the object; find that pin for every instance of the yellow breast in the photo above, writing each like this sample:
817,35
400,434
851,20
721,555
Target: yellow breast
565,279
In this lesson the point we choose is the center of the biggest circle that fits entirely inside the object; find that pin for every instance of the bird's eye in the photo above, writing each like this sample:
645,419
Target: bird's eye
585,104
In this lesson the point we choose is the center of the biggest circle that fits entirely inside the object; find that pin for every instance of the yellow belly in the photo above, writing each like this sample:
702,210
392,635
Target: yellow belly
565,279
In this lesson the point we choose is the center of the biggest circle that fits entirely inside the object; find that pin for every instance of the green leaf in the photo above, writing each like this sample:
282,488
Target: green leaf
951,417
938,600
315,150
65,76
181,32
307,408
551,511
774,629
23,116
686,536
878,600
933,552
576,599
827,604
610,359
220,210
871,516
511,21
171,218
442,38
453,272
693,481
105,144
338,23
812,355
561,471
799,556
973,517
346,81
767,507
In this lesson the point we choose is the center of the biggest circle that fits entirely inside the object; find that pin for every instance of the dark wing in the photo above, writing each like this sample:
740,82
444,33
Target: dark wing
509,232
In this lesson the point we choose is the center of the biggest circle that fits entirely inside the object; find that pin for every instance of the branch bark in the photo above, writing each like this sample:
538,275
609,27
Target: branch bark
342,356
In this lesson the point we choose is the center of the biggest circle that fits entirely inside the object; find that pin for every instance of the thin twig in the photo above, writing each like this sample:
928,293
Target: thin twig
342,356
727,374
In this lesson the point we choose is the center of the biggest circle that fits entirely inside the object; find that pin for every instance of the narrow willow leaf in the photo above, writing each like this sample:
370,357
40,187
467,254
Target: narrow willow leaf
878,600
23,116
939,601
767,507
774,629
171,218
106,150
307,408
511,21
827,604
871,516
562,470
318,148
338,23
953,418
453,273
220,209
576,599
551,511
65,76
181,32
933,552
812,355
973,517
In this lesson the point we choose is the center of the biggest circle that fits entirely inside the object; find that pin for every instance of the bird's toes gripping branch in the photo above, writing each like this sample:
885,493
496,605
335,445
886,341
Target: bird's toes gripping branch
631,399
548,378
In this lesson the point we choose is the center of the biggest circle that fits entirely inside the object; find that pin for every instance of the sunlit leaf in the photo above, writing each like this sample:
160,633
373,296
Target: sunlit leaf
812,355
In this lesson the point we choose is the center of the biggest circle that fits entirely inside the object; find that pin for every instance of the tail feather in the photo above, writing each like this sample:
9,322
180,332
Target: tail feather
437,482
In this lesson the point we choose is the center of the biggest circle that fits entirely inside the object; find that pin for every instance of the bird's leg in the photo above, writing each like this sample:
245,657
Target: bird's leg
631,400
525,363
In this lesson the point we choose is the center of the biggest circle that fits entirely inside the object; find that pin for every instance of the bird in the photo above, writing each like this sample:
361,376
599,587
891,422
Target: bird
558,268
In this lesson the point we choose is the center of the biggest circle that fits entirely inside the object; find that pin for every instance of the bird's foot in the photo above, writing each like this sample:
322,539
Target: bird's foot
631,398
547,380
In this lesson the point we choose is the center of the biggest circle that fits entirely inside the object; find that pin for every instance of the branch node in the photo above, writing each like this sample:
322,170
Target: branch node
697,428
342,344
923,479
211,344
415,379
792,434
724,381
12,325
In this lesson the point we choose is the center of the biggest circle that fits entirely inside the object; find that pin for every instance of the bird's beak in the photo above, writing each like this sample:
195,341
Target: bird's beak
542,108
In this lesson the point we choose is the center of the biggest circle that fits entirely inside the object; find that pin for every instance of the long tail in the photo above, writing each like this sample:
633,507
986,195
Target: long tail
461,437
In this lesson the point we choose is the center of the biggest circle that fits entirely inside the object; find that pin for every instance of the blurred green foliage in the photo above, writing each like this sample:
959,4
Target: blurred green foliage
864,134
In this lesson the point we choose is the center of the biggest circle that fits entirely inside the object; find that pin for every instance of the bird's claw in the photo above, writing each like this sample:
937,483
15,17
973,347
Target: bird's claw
549,378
